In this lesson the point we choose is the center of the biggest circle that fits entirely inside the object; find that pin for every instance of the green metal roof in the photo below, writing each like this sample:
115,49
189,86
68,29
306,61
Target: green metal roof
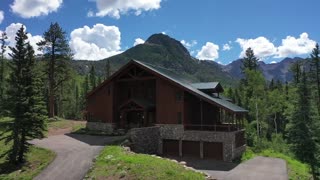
205,85
179,79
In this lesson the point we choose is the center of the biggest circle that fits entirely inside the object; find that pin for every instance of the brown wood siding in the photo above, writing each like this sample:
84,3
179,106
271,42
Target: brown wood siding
191,148
170,147
167,105
100,104
213,150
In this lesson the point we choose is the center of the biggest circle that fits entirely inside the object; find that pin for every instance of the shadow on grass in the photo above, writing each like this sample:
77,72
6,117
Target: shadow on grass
205,164
7,167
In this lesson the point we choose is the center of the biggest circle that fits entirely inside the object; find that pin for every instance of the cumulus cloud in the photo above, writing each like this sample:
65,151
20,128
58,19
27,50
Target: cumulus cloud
138,41
11,31
34,8
290,46
226,47
190,44
296,46
95,43
114,8
1,16
261,47
208,52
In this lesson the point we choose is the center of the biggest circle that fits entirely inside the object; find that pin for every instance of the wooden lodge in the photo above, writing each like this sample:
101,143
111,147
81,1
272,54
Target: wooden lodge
188,116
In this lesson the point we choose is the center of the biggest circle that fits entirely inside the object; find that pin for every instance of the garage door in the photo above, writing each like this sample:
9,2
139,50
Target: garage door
191,148
213,150
170,147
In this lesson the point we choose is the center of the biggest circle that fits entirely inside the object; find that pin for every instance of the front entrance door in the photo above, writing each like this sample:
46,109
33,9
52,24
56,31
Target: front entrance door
134,119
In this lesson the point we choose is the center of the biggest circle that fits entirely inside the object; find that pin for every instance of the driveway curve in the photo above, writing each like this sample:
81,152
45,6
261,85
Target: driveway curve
261,168
75,153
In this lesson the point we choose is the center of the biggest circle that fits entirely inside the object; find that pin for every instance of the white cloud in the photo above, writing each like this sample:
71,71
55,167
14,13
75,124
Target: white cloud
1,16
273,62
114,8
95,43
261,47
34,8
11,31
290,46
90,14
296,46
138,41
190,44
226,47
208,52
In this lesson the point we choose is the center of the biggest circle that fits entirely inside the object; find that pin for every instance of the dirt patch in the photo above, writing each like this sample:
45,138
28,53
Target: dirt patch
66,127
58,131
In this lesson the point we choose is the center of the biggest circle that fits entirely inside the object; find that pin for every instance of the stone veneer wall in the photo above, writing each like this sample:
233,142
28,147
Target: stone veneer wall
227,138
145,140
99,126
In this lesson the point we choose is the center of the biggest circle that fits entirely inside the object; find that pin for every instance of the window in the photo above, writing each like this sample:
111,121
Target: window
179,115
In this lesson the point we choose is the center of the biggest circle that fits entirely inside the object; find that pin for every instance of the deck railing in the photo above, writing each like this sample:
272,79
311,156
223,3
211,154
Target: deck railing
216,127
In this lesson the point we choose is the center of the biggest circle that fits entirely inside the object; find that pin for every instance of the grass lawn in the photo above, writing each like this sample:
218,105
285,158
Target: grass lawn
37,159
115,163
296,169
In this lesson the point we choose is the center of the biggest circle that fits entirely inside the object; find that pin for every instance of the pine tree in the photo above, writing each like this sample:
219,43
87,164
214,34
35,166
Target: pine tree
3,38
92,75
300,129
25,98
57,52
315,72
250,61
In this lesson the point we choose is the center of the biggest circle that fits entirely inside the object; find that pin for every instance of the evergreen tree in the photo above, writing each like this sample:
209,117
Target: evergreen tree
92,75
250,61
300,129
86,85
315,72
25,98
296,71
3,38
57,52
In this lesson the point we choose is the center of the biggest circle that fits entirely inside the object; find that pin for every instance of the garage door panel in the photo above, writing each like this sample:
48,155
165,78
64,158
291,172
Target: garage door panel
170,147
213,150
191,148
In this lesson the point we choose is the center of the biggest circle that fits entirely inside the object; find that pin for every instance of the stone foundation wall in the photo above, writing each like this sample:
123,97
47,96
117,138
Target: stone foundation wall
239,151
145,140
99,126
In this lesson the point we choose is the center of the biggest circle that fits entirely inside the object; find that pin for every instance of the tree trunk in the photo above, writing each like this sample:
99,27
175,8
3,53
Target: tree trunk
51,84
275,123
314,173
257,116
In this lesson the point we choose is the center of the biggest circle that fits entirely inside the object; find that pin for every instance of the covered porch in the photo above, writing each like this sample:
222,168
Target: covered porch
204,116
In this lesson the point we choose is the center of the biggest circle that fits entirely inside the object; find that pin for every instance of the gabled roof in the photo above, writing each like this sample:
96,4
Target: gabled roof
213,87
178,80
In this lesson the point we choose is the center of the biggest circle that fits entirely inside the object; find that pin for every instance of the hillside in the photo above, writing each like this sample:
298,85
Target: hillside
162,50
278,71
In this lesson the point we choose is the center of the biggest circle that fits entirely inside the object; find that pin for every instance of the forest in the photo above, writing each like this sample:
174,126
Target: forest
284,117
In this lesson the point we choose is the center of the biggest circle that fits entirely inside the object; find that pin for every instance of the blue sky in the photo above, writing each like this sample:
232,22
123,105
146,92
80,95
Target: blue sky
218,30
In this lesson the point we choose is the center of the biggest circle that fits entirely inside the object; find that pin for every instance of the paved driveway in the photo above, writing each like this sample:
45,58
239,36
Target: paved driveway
262,168
74,155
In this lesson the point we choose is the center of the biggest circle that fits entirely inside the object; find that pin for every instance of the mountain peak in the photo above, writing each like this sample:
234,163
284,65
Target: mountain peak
170,43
